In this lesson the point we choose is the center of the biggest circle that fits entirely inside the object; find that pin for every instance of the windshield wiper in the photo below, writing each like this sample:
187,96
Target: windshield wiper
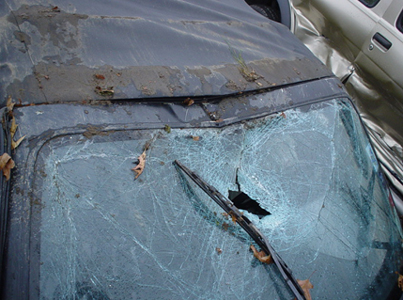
249,227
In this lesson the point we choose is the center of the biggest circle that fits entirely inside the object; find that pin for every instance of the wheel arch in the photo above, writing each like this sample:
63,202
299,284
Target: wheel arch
282,5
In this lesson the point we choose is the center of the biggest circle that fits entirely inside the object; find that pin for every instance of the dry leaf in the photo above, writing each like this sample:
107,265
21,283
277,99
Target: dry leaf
99,76
15,144
233,217
6,164
261,256
56,9
188,102
400,281
13,127
195,138
219,251
140,167
10,103
105,92
306,285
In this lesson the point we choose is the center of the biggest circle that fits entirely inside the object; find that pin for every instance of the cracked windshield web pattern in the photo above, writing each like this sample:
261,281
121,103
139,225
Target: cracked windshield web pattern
104,235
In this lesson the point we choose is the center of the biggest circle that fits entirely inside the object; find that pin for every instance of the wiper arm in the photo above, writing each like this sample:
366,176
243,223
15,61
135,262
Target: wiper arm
249,227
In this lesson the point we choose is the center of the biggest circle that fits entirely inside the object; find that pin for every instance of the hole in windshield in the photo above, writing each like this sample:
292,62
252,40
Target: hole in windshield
243,201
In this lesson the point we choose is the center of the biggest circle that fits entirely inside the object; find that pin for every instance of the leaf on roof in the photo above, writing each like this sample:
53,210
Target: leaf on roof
306,285
99,76
105,91
261,255
6,164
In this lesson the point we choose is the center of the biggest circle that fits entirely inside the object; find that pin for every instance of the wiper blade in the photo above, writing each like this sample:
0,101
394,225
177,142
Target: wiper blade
249,227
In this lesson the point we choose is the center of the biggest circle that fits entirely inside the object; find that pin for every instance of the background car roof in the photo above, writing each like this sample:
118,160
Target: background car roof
57,51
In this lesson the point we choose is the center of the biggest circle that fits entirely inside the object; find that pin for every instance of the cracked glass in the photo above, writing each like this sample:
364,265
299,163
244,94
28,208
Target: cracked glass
100,234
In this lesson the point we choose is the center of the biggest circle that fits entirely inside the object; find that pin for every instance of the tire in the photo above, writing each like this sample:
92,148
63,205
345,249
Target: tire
267,11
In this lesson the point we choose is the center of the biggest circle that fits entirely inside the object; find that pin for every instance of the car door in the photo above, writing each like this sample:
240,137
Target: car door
383,47
349,21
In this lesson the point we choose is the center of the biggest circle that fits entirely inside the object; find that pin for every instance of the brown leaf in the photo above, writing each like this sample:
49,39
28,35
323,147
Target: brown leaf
99,76
219,250
306,285
140,167
195,138
15,144
10,103
13,127
261,256
400,281
233,217
188,102
6,164
56,9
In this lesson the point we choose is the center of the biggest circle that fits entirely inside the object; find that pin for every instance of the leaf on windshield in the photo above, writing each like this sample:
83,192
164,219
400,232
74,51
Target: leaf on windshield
306,285
261,255
400,281
141,165
6,164
233,217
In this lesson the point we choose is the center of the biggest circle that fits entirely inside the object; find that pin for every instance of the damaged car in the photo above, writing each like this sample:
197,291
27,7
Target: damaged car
371,32
182,150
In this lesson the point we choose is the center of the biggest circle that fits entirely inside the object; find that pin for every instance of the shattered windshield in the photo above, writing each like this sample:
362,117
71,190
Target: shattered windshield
100,234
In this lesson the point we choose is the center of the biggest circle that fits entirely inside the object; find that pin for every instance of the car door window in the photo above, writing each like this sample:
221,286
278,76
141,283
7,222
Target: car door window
399,23
369,3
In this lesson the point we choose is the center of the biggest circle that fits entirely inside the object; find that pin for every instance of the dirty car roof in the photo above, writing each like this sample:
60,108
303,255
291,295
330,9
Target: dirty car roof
57,51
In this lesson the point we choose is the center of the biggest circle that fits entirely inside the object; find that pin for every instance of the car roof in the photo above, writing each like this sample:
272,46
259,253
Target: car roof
56,51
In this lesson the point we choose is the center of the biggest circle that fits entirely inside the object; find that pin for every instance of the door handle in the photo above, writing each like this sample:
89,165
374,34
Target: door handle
382,41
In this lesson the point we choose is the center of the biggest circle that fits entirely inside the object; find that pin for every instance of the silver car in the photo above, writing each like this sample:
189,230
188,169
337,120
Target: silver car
371,30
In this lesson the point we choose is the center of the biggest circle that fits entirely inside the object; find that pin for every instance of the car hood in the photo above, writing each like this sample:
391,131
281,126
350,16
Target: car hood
53,51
